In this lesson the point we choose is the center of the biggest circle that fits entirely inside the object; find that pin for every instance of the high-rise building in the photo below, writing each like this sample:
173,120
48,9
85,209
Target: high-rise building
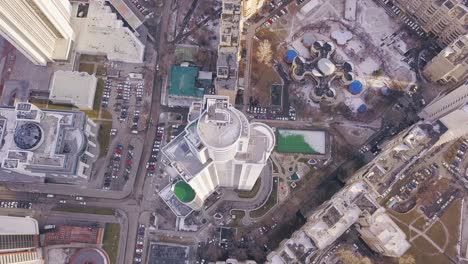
217,149
446,19
446,104
451,64
451,110
40,29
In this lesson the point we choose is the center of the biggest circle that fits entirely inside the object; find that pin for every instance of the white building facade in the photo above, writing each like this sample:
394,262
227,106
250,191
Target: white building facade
40,29
220,148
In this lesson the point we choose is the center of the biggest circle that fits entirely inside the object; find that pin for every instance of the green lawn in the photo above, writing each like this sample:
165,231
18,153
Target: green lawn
111,241
272,200
104,136
251,193
86,67
293,144
85,210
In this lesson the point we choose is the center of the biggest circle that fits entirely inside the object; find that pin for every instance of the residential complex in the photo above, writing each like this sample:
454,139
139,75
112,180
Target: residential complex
445,19
451,64
41,30
218,149
47,143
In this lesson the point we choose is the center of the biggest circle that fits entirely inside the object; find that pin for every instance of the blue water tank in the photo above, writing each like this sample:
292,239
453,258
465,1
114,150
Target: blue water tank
355,87
290,55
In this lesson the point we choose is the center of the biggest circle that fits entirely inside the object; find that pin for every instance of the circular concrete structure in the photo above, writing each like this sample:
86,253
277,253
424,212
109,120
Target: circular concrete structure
90,256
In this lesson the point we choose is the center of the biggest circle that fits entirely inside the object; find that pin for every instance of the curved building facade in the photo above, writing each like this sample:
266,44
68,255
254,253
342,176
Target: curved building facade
220,148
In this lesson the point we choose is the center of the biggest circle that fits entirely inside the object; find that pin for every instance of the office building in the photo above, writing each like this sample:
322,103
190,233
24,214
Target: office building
217,149
451,64
40,29
445,19
19,240
46,143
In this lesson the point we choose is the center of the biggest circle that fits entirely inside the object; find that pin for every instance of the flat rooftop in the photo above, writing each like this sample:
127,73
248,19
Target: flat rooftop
102,33
219,126
184,82
12,225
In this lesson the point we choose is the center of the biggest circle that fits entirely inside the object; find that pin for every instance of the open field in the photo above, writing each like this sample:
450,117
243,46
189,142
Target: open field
111,241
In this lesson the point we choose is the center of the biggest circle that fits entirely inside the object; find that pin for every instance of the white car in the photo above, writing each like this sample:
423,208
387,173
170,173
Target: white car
79,198
83,203
62,201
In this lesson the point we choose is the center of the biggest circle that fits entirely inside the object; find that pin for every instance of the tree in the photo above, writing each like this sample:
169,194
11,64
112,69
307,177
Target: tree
349,257
264,53
407,259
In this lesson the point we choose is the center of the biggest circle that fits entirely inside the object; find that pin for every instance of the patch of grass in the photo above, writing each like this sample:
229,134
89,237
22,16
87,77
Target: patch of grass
111,241
101,70
272,200
104,137
238,220
251,193
437,234
98,95
451,220
106,114
85,210
86,67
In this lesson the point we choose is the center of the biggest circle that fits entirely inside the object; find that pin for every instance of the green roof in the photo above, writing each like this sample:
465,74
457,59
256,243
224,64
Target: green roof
183,192
183,82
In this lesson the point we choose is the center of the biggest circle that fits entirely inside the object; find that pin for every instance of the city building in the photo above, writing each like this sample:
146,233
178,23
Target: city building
73,88
101,32
354,204
220,148
92,255
188,84
445,104
383,235
46,143
445,19
451,64
73,234
251,7
19,240
40,29
234,261
227,63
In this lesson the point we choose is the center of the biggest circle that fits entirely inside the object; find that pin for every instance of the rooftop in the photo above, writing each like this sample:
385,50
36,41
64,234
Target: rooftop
76,88
12,225
219,126
183,82
102,33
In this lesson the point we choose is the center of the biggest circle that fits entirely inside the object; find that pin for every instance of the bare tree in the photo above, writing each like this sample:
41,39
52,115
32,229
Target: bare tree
349,257
264,53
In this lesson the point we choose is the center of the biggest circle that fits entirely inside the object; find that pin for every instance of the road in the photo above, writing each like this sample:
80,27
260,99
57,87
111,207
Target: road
129,202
